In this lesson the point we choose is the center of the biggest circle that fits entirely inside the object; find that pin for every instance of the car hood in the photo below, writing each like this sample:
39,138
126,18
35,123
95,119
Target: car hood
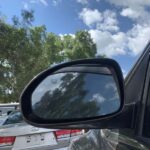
21,129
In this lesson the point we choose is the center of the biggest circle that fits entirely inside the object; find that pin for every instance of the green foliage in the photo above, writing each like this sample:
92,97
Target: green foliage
81,46
26,50
60,103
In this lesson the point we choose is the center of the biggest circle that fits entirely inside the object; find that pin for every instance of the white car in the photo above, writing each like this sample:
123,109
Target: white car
15,134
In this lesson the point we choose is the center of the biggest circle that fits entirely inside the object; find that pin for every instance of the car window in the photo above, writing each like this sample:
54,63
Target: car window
14,117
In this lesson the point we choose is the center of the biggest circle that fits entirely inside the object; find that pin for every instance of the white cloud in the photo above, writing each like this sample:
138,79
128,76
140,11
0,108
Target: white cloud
134,9
106,20
83,2
120,43
108,43
98,98
130,3
105,31
25,6
109,22
138,14
44,2
56,2
90,17
131,13
111,85
137,38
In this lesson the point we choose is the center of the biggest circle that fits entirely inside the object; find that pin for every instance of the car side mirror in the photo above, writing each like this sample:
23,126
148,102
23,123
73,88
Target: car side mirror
75,93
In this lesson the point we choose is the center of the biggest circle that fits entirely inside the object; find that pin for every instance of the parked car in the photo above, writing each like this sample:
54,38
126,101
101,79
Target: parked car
124,120
16,134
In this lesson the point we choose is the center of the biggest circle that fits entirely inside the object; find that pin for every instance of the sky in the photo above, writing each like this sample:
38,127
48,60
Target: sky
120,28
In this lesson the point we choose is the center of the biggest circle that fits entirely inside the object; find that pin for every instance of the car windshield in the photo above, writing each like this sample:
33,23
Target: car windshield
38,34
13,118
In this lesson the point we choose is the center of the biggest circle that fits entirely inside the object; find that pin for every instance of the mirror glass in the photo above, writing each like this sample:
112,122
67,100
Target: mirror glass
76,95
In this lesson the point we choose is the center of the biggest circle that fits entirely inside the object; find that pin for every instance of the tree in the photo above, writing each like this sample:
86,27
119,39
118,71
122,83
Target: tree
80,46
68,100
26,50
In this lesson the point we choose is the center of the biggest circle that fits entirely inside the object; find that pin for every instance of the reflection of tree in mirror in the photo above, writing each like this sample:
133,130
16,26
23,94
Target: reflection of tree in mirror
75,95
67,101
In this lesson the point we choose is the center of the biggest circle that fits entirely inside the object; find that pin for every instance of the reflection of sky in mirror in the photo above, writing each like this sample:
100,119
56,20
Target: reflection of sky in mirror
104,91
112,86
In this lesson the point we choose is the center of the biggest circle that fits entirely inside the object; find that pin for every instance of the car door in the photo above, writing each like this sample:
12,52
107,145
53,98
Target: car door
137,89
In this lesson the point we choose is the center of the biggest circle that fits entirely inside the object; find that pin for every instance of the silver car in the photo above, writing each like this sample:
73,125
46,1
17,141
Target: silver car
15,134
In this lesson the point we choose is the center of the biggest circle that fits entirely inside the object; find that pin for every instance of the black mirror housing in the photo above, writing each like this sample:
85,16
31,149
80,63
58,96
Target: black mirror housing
100,67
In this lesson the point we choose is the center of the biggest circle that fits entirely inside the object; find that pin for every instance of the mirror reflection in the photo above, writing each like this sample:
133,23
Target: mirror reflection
74,95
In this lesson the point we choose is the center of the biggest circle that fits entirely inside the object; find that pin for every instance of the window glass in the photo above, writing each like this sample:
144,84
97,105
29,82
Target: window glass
14,117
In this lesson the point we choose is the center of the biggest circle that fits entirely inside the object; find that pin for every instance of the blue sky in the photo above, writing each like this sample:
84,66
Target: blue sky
121,29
